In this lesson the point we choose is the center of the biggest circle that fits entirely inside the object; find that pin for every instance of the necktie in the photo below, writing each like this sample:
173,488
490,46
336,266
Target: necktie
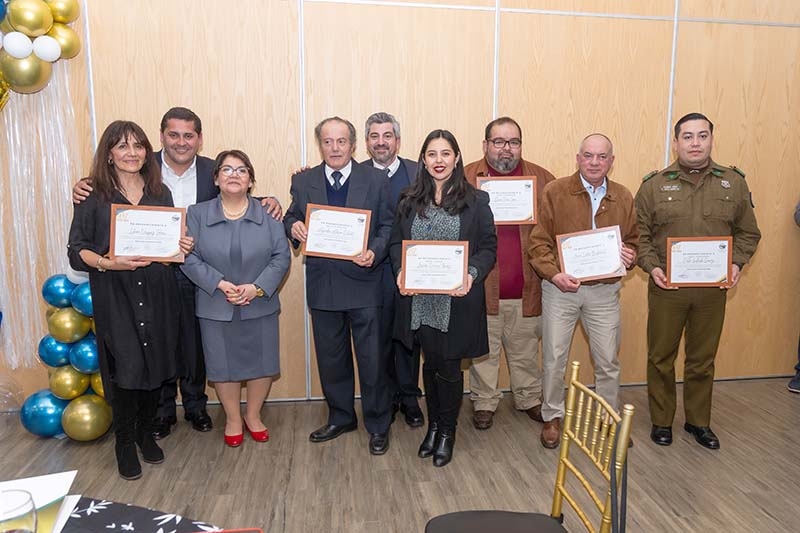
337,180
388,172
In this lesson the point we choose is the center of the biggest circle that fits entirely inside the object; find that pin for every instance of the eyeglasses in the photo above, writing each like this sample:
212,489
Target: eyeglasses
501,143
230,171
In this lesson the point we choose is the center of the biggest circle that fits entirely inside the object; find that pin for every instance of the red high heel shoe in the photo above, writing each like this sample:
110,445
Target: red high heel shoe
258,436
234,441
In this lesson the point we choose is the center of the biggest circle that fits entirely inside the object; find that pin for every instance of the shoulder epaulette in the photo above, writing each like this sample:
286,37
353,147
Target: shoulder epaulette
653,173
737,170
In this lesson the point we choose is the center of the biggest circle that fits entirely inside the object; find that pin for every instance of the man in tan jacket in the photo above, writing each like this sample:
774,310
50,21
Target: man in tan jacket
586,200
513,290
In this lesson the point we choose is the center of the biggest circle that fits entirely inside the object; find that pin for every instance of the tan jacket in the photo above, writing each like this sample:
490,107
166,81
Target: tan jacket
532,287
566,208
668,204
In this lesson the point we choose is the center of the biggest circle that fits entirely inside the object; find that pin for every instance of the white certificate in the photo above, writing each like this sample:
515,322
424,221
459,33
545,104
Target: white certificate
336,232
149,232
699,261
434,267
512,199
593,254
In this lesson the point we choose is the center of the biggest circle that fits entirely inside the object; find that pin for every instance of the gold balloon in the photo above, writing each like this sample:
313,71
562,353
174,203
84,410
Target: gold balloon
68,325
4,91
31,17
64,11
67,383
5,25
86,418
27,75
97,384
93,327
50,371
67,38
50,310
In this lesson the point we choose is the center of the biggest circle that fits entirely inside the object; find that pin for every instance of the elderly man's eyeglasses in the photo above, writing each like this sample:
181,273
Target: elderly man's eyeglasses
230,171
501,143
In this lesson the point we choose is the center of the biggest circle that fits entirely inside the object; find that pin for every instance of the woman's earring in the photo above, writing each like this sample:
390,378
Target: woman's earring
110,162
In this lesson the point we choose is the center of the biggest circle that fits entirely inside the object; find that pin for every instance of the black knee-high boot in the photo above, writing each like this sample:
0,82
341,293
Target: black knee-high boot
451,392
432,403
145,418
124,408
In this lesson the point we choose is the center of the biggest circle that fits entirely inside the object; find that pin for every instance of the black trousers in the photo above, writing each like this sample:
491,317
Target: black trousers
332,342
191,365
402,364
443,379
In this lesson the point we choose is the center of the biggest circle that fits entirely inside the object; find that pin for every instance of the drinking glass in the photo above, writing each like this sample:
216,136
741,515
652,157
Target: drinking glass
17,512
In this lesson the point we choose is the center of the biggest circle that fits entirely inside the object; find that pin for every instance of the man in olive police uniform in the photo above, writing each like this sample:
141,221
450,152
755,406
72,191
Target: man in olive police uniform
693,197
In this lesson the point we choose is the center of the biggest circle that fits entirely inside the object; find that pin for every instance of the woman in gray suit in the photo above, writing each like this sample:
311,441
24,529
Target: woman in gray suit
240,258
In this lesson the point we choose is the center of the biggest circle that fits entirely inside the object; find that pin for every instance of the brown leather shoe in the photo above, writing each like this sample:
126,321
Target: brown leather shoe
551,433
535,413
482,419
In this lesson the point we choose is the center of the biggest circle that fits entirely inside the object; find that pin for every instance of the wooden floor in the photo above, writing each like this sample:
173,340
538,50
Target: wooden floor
291,485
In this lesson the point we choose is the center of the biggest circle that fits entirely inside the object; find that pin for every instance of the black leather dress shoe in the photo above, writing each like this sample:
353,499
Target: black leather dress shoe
703,435
330,432
200,420
378,443
162,426
413,414
661,435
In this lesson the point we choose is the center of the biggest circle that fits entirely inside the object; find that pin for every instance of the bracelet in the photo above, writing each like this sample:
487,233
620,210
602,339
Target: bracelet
99,265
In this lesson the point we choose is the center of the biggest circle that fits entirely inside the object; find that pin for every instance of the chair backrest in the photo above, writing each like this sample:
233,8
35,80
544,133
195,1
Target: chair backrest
591,425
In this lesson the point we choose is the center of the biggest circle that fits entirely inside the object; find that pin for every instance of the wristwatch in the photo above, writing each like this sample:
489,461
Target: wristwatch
259,291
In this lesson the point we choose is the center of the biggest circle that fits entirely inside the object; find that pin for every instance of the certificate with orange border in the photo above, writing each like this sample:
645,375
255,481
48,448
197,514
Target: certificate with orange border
512,199
336,232
434,267
699,261
592,254
147,231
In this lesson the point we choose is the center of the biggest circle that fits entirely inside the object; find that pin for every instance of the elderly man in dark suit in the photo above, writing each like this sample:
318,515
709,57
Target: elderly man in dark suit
382,133
188,177
343,295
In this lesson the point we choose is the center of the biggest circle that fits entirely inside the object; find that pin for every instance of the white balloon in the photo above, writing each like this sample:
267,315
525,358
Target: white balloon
75,276
1,37
46,48
17,44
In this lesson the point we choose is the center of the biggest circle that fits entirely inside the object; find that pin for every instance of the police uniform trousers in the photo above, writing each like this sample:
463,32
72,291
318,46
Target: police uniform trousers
701,312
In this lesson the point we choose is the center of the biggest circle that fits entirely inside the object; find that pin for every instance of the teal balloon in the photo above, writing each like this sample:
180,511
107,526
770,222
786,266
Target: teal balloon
82,299
57,290
41,413
52,352
83,355
2,9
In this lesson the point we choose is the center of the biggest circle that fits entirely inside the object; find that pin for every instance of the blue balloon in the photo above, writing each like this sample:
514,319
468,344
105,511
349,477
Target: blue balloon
2,10
41,413
57,290
52,352
82,299
83,355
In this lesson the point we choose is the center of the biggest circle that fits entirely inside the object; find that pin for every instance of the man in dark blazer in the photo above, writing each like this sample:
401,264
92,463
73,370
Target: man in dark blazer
382,132
188,177
346,295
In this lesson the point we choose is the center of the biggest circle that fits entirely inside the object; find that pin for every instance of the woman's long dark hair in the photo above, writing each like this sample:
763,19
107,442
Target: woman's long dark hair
455,193
104,174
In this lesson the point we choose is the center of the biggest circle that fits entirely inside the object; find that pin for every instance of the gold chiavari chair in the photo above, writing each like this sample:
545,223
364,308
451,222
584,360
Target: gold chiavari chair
592,427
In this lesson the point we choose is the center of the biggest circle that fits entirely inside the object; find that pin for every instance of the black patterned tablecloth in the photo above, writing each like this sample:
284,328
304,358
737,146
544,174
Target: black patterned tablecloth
95,515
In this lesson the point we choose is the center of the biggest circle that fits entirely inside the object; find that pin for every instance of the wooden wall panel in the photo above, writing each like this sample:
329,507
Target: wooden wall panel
763,11
566,77
651,8
376,61
748,84
236,66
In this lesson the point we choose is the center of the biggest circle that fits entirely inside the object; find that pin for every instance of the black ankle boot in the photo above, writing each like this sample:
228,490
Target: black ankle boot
127,460
445,441
429,442
145,418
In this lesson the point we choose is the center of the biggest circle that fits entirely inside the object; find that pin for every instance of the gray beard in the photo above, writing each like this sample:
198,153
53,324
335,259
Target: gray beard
505,165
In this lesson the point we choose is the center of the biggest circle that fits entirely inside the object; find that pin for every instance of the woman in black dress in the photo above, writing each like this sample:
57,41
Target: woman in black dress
135,301
442,206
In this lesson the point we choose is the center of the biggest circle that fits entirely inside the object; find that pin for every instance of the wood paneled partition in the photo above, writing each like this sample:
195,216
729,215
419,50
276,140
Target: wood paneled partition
261,74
